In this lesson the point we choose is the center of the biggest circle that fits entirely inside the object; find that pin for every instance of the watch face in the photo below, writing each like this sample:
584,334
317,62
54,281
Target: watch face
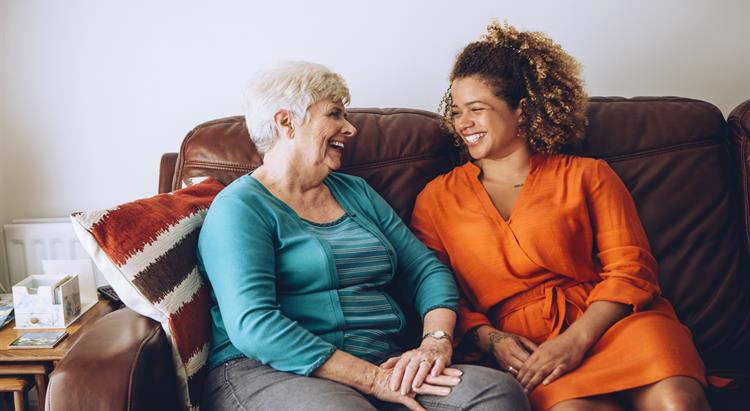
438,335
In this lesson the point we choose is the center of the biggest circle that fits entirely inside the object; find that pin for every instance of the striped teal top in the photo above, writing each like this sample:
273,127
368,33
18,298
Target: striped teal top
363,269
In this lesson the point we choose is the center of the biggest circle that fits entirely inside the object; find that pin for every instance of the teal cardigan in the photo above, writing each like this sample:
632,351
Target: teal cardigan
274,285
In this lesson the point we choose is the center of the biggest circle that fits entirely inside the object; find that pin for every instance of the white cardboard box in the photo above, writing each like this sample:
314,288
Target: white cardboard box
86,278
47,301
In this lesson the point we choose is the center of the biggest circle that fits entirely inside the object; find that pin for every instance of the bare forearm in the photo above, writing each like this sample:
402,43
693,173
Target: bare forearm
441,319
596,320
347,369
484,336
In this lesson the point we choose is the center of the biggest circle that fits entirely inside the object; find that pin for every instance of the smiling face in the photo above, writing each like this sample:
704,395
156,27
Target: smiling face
323,134
485,122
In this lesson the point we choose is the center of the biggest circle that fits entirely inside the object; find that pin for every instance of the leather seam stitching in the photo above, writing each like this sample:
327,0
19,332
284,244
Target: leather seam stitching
238,167
662,150
393,161
220,166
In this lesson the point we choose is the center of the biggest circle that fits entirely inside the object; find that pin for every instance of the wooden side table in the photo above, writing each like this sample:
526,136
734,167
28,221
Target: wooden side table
18,386
40,362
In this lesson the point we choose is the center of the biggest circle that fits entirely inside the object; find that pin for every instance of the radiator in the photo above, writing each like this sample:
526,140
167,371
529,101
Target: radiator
28,242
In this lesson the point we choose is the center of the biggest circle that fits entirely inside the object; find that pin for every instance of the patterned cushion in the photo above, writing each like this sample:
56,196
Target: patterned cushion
146,251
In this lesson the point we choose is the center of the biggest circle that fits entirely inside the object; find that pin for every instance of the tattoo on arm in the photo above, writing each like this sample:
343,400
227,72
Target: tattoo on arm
495,338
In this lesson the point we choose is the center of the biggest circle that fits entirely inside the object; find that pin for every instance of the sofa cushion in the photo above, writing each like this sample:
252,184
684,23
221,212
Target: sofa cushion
146,251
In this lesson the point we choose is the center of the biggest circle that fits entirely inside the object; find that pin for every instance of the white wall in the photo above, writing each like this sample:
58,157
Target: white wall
92,92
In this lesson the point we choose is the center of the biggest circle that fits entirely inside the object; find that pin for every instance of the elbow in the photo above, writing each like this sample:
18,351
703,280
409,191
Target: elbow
247,331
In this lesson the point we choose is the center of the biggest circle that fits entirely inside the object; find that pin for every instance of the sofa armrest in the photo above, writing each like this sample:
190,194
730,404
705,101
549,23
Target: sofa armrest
123,362
739,130
166,172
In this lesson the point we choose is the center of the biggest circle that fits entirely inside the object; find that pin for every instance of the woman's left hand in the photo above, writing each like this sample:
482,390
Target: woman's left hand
412,368
552,359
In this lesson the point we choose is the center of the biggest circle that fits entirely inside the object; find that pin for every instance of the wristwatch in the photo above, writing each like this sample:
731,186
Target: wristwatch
439,335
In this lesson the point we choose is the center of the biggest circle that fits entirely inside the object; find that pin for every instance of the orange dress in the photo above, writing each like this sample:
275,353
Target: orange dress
573,237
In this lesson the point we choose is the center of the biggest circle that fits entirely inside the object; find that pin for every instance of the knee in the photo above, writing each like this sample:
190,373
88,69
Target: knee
511,394
333,397
491,389
684,401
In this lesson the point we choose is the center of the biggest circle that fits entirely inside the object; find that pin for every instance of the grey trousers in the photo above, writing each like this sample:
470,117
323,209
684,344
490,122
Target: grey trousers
246,384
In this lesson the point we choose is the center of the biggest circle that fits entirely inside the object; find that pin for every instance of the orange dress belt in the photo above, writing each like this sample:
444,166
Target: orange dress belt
556,302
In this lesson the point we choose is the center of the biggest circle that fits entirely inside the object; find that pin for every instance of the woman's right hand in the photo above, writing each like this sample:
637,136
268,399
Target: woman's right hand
510,350
440,385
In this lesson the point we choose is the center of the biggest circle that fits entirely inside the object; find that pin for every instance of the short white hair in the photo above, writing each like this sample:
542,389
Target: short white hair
293,86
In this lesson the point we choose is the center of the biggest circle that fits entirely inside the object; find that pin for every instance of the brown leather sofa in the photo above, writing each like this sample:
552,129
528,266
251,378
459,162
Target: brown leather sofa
687,168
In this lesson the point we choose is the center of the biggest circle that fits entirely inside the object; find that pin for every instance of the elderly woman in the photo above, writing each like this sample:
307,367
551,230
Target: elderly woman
559,283
302,262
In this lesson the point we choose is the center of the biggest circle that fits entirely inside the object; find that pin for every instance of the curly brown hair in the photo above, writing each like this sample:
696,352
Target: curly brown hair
529,69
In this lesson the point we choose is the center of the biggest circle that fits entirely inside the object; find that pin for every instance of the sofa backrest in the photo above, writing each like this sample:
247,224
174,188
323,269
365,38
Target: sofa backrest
396,150
672,154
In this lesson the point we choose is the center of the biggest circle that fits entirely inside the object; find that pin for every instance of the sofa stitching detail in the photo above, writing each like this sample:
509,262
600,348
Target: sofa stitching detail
245,168
662,150
394,161
219,166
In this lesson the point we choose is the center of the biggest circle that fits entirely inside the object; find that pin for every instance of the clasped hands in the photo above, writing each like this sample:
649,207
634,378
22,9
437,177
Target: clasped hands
423,370
532,364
